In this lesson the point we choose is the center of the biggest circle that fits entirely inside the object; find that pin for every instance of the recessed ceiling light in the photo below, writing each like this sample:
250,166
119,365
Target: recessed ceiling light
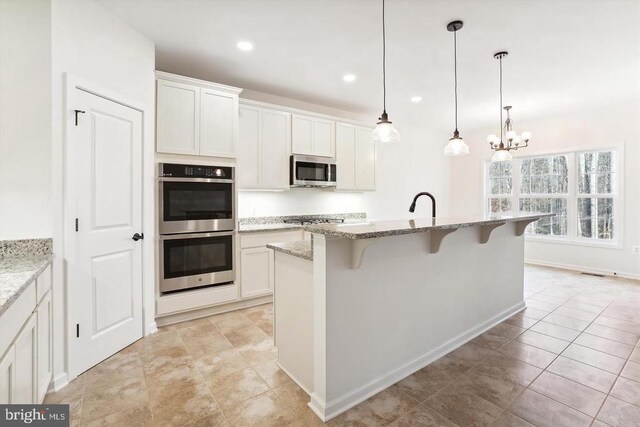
416,99
349,78
245,46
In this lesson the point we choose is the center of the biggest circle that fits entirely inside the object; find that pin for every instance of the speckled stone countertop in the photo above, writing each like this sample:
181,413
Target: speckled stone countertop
373,229
21,261
276,223
300,248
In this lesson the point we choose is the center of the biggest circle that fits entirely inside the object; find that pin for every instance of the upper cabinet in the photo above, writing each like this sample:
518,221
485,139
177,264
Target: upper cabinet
312,136
263,148
195,117
355,158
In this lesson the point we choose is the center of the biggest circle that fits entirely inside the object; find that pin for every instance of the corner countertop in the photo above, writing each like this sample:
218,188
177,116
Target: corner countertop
262,228
16,273
299,248
373,229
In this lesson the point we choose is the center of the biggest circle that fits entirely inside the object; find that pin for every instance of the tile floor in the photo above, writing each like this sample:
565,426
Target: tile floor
571,358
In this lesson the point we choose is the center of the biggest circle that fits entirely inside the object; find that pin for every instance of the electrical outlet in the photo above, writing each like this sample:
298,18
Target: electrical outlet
636,249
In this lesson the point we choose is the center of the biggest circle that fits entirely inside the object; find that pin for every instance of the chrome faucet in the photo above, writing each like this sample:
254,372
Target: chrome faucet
412,208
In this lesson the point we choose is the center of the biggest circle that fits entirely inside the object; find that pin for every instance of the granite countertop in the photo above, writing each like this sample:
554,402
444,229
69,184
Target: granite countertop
259,228
373,229
16,273
277,223
300,248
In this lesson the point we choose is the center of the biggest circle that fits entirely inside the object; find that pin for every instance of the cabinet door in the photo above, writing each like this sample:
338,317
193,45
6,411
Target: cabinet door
365,160
345,157
323,138
27,362
178,118
302,135
248,161
45,346
8,377
256,271
275,143
218,123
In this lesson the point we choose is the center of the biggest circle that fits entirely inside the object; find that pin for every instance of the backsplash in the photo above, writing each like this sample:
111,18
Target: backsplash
9,248
279,219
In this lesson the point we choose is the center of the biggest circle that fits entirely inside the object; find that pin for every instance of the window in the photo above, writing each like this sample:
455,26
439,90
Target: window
579,188
596,177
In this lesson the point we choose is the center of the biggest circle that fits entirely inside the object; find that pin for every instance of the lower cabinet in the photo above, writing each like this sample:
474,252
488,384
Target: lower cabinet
257,271
26,365
8,376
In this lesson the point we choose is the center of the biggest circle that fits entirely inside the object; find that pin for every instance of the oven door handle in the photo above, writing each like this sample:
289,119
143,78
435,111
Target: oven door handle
212,180
195,235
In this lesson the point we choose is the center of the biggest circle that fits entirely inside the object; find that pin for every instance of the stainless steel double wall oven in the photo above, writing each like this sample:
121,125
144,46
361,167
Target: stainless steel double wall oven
197,226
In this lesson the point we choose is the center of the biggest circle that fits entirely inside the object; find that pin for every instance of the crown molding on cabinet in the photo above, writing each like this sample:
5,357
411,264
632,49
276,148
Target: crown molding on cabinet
197,82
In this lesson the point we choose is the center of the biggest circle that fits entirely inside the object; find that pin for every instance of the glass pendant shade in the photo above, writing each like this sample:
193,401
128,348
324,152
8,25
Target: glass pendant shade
501,156
456,147
385,133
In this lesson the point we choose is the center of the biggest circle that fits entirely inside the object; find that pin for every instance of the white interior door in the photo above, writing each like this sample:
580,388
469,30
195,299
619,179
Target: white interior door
105,267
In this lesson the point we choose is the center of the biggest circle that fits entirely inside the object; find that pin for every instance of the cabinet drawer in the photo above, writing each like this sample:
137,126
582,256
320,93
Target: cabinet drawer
255,240
43,283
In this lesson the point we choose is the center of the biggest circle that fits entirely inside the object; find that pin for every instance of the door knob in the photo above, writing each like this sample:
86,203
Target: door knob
137,236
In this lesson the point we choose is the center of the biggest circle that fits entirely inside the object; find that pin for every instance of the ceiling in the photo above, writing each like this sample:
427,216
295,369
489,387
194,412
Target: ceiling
563,54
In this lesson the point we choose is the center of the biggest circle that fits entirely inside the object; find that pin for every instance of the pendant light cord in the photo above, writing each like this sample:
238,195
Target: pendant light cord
384,64
501,100
455,74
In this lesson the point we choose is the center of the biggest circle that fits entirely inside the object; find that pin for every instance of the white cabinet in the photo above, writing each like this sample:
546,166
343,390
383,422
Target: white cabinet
257,271
355,158
26,348
195,117
263,149
8,376
45,345
312,136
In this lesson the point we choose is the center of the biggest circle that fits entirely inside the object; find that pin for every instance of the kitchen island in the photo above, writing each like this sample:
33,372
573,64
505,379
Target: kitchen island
384,299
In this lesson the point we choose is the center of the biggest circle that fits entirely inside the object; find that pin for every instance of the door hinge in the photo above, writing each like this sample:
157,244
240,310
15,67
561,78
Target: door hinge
78,112
77,330
76,224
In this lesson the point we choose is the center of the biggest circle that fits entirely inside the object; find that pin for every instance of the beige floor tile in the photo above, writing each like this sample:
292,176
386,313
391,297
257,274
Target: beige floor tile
139,415
542,411
527,353
220,364
595,358
542,305
502,366
570,393
623,325
231,390
291,394
628,338
159,361
425,382
72,395
616,412
507,419
203,321
545,342
205,329
109,399
228,322
621,315
208,346
159,340
381,409
569,322
631,371
627,390
183,406
246,335
266,326
214,420
490,341
259,352
260,312
521,321
555,331
583,373
422,416
534,313
605,345
271,373
453,366
506,330
583,306
172,380
549,298
635,355
462,407
263,410
497,390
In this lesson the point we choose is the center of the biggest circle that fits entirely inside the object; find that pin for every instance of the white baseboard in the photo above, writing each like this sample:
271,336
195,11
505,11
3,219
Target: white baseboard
59,382
583,269
327,411
152,328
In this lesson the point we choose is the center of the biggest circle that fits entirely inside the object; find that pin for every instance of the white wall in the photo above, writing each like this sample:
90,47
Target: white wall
25,119
415,164
610,125
94,45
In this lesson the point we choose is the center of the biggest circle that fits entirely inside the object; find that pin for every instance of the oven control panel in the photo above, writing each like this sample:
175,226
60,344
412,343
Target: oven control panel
195,171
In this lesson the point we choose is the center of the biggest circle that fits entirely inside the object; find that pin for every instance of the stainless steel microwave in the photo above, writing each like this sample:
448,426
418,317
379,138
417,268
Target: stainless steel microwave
312,171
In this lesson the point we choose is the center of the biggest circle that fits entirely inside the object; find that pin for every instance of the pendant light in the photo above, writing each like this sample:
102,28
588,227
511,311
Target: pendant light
456,146
384,132
513,141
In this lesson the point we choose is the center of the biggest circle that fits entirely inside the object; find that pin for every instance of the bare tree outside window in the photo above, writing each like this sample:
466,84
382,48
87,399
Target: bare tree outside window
500,187
595,186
